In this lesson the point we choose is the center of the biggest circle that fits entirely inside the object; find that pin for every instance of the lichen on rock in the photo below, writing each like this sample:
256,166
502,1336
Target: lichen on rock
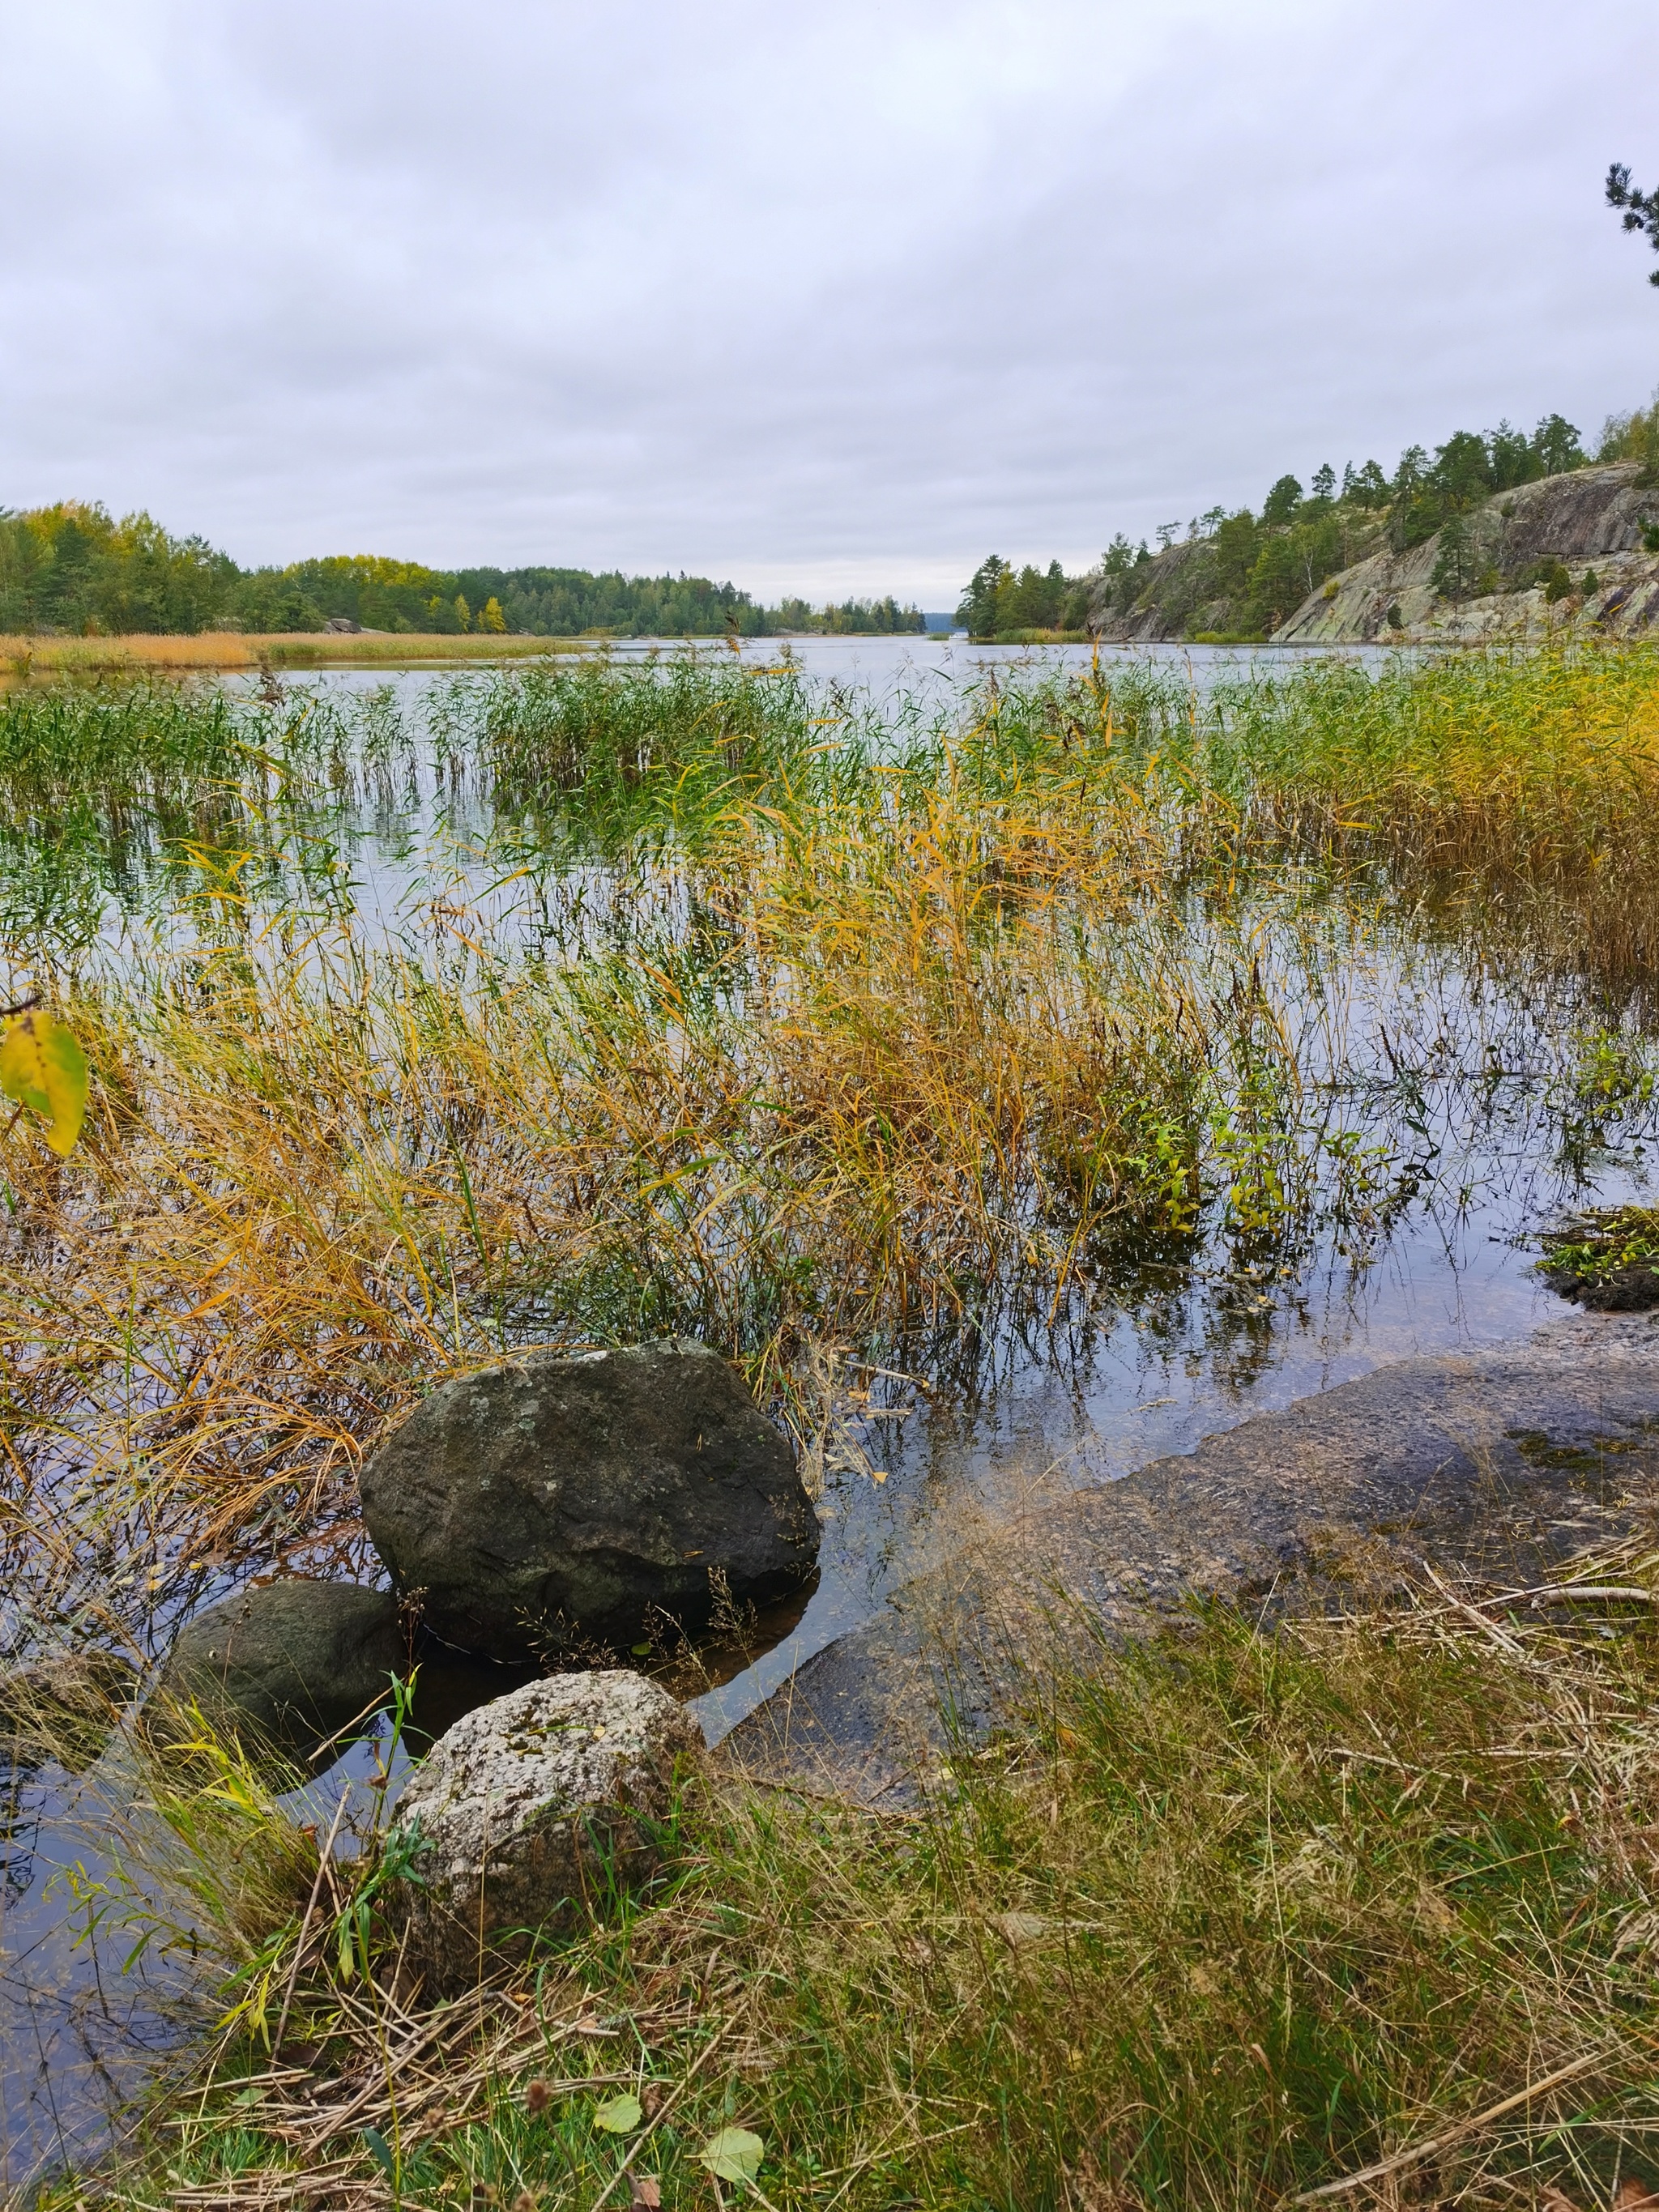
531,1813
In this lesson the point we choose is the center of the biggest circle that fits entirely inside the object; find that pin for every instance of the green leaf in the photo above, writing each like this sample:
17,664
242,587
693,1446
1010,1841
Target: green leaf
381,2152
43,1068
734,2154
618,2116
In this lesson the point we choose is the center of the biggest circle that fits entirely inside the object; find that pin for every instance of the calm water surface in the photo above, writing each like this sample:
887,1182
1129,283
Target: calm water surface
1499,1151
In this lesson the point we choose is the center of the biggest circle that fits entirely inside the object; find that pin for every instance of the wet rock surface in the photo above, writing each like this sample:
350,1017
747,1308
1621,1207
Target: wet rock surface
559,1503
287,1665
528,1813
1497,1464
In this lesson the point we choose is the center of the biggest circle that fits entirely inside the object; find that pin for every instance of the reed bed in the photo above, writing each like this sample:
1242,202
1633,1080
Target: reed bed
1524,786
891,1083
24,660
753,1015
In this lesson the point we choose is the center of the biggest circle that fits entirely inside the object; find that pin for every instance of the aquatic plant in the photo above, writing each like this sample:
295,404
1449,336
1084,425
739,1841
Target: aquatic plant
1524,785
1607,1259
770,1021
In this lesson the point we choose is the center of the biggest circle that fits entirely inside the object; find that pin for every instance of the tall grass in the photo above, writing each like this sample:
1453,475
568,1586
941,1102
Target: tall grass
1526,783
24,659
1227,1919
104,796
771,1023
890,1080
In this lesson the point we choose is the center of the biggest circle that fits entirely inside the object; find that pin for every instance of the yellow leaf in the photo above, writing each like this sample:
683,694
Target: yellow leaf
734,2154
618,2116
42,1067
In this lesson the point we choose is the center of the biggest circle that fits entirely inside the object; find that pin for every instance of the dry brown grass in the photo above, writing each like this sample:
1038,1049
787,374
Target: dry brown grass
885,1081
33,658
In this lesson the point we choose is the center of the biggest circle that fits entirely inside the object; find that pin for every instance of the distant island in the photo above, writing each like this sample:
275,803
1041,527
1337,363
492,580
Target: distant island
1486,537
74,569
1431,549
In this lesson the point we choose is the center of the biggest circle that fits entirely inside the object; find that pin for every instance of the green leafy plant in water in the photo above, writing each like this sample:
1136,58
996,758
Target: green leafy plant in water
1607,1259
202,1862
1610,1079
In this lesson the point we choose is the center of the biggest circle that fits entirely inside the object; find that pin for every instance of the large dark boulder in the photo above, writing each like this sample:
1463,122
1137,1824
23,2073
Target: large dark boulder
287,1666
558,1502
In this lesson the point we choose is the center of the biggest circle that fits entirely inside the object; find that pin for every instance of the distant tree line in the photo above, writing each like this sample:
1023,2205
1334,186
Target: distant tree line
1260,567
75,568
853,618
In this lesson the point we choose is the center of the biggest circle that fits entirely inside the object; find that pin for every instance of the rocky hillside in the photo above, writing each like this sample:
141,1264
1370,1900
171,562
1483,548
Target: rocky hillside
1568,549
1199,587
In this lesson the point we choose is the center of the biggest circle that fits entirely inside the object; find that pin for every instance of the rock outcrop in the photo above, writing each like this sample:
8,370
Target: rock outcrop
286,1666
1493,1465
557,1502
1589,520
529,1813
1179,593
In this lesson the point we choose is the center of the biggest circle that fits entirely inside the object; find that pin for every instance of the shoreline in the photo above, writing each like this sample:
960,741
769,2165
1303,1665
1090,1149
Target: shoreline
218,652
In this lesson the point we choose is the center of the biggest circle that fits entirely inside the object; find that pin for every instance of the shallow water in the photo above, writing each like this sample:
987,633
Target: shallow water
1486,1138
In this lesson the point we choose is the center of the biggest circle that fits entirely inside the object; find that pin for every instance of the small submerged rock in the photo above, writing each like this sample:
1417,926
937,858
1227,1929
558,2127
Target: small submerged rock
556,1503
529,1812
64,1708
287,1665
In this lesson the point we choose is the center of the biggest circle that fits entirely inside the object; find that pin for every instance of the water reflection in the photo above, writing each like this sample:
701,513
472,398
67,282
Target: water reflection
1445,1115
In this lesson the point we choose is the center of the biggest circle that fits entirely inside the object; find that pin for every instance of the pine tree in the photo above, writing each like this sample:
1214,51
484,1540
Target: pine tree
1454,568
1641,209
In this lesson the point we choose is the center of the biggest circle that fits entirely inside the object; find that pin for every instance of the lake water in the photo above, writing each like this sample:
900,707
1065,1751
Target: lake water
1499,1148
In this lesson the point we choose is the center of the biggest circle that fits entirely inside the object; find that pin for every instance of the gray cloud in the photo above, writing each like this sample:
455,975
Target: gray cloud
819,298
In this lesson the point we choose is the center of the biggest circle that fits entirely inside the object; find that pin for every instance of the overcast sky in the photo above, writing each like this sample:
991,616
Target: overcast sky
820,298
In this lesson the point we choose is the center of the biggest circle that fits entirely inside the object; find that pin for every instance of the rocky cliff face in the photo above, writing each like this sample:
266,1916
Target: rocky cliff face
1590,520
1185,592
1175,594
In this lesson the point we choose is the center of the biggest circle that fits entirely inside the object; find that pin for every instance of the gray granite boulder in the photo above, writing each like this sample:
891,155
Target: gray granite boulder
529,1813
556,1502
286,1665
